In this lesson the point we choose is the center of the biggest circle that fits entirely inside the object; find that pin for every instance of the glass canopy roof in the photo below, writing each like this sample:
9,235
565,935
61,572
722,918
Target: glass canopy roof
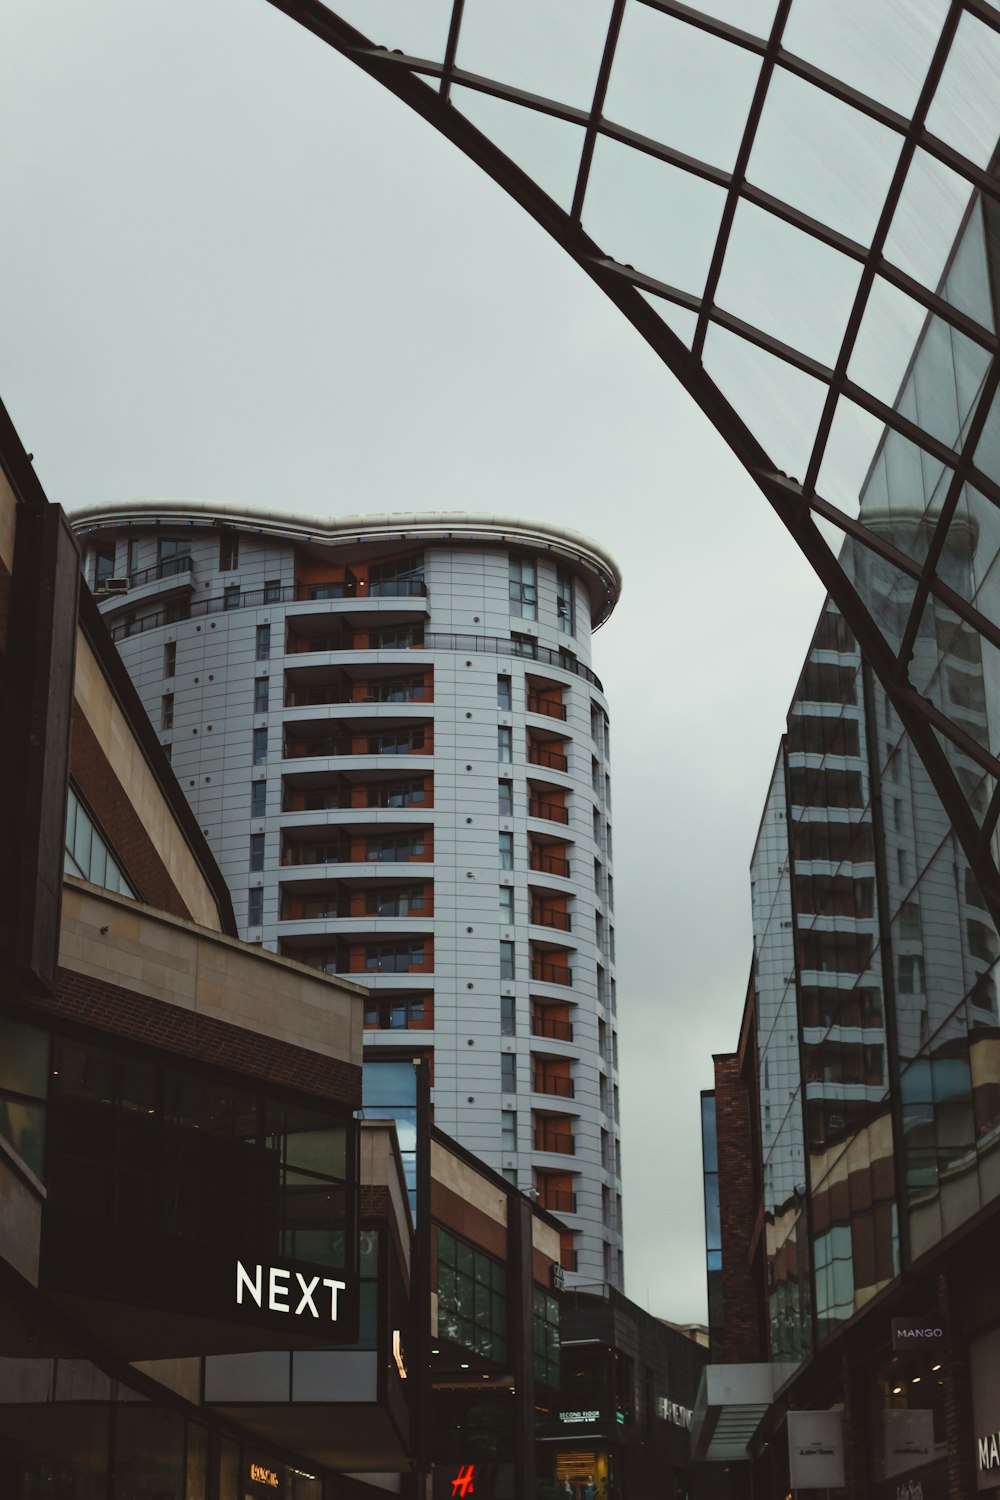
795,202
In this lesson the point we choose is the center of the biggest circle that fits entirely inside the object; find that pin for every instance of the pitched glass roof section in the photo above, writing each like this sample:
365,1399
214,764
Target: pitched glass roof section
796,204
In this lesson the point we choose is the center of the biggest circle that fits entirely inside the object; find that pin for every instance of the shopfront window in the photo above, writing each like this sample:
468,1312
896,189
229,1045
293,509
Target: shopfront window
472,1298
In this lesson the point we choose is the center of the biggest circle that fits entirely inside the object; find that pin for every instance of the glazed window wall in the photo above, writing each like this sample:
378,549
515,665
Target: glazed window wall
472,1298
848,1124
545,1322
713,1225
136,1143
782,1138
87,852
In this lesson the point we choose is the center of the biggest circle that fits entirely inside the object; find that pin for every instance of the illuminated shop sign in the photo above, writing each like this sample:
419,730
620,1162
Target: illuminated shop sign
317,1295
579,1416
260,1475
672,1411
185,1280
263,1479
988,1452
916,1333
464,1481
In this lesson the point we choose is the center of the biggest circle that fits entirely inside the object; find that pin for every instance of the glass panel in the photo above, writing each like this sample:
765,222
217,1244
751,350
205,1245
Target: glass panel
968,562
779,404
927,219
883,50
681,319
400,25
545,147
967,285
889,332
787,283
987,456
960,672
847,459
652,216
389,1083
548,47
886,590
965,110
658,86
24,1059
822,156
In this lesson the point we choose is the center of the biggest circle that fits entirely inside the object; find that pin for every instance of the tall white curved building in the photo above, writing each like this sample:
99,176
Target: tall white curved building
390,732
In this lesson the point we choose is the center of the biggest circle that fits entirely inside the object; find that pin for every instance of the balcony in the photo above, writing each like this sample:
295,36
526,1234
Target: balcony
553,811
170,567
558,1084
300,694
551,973
560,1140
550,916
553,1027
548,864
556,1200
548,706
402,847
552,760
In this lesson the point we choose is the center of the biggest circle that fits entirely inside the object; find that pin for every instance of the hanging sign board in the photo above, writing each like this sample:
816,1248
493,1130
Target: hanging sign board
815,1450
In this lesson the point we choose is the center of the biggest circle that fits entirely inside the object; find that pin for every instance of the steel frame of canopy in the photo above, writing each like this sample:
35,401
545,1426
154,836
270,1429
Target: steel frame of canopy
795,501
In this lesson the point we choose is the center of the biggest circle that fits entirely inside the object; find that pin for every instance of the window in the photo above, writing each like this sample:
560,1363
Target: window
259,747
508,1073
911,974
504,694
170,659
263,642
255,906
545,1322
104,565
505,799
272,591
506,960
396,958
506,903
231,596
505,744
397,903
167,711
395,848
523,588
508,1016
506,851
396,742
87,854
229,551
257,849
134,549
171,549
508,1130
261,691
523,645
258,798
472,1298
909,921
400,577
398,1014
565,611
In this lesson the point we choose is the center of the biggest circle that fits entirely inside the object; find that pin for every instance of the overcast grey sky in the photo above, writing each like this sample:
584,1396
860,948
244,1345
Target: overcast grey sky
233,268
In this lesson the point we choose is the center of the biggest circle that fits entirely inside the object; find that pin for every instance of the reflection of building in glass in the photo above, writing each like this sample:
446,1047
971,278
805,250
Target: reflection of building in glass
893,1001
391,733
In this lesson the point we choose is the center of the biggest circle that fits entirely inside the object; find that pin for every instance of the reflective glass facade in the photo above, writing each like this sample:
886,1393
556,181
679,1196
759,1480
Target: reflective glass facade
796,205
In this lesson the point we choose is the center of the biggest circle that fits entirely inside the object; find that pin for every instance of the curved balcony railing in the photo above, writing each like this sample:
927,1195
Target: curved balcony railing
550,973
552,760
557,1031
544,916
549,864
553,811
549,1083
539,705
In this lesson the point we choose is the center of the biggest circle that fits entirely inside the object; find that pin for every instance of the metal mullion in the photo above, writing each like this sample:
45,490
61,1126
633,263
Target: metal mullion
946,517
451,47
939,720
748,40
860,533
990,820
915,713
739,174
917,435
889,206
597,105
